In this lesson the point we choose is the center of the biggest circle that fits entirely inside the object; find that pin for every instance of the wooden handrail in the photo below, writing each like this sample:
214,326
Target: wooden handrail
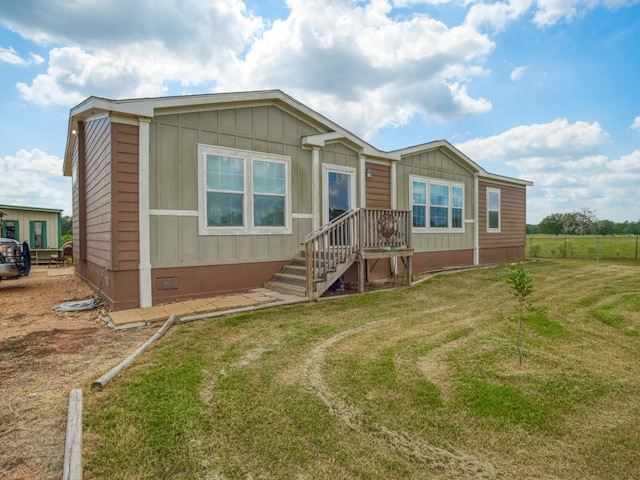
352,233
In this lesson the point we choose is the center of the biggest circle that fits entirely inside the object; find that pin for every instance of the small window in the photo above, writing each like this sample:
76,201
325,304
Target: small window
225,191
439,211
419,204
269,194
10,229
493,210
457,201
38,235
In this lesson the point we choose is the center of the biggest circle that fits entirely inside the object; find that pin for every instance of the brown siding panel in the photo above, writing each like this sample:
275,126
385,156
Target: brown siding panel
125,207
378,187
509,244
98,191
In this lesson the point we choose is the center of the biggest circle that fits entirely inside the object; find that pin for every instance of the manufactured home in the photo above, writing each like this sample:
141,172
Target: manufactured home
203,195
41,228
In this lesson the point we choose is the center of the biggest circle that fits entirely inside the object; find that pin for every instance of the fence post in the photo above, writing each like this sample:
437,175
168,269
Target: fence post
564,253
636,247
597,249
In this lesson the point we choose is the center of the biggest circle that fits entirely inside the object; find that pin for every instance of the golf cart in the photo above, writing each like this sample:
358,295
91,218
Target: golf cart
15,259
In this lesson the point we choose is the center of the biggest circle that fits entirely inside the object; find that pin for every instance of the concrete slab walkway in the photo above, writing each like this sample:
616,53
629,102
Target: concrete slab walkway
201,308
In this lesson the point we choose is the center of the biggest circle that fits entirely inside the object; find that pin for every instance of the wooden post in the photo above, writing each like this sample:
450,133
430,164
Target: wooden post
308,253
72,469
115,371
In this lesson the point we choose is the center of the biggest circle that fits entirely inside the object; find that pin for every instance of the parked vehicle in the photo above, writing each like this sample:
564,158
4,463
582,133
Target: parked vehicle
15,259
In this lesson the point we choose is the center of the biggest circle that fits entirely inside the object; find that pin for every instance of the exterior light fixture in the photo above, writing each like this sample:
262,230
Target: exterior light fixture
368,173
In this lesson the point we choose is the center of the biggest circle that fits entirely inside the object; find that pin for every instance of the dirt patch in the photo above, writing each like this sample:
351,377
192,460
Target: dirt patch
43,355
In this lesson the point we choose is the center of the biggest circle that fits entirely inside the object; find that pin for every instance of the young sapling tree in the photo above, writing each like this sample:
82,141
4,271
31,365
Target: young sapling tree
521,282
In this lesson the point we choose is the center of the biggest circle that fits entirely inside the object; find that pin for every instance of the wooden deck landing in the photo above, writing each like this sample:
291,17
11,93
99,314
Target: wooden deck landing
362,258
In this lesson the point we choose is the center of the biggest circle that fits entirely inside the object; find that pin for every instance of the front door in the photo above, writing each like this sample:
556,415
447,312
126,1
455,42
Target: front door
339,191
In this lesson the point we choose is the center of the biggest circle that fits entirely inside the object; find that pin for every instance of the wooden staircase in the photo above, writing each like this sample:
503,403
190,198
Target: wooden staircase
355,236
292,279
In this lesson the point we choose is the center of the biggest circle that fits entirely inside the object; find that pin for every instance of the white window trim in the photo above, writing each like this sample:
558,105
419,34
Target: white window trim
489,191
326,168
247,205
437,181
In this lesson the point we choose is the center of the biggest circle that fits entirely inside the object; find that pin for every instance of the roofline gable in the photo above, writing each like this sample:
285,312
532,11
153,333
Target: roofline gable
331,132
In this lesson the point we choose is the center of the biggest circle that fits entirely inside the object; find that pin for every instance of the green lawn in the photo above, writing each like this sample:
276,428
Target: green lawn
413,383
588,247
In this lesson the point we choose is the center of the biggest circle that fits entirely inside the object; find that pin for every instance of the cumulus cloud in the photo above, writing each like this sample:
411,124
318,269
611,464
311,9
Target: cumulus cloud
365,68
33,178
531,144
330,55
105,49
636,124
562,160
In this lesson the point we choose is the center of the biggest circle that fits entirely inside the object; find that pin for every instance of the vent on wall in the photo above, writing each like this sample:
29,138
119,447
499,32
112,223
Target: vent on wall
167,283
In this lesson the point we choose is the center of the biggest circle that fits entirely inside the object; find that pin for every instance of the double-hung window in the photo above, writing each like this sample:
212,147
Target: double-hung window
243,192
493,210
437,205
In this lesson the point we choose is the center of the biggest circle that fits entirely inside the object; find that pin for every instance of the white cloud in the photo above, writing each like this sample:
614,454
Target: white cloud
518,72
34,179
636,124
9,55
562,160
558,140
107,50
550,12
328,54
496,15
364,68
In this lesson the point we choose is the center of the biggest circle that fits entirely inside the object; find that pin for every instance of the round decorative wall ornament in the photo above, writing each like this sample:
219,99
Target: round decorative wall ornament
387,227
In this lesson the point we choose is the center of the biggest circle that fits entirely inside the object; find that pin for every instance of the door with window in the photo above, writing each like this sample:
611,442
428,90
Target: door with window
339,191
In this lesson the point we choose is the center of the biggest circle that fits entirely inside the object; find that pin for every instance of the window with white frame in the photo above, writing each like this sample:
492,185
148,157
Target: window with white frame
437,205
493,209
243,192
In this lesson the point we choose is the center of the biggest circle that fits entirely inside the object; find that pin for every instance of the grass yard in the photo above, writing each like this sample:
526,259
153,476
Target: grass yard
588,247
420,383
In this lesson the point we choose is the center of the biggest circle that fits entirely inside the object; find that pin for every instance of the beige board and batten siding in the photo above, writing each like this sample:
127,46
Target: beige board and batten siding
508,244
436,164
174,140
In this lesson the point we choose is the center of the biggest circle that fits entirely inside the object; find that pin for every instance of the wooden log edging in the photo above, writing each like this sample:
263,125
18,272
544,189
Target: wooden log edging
111,374
72,469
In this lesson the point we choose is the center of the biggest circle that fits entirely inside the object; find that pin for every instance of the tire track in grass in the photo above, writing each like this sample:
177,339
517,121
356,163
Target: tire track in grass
453,464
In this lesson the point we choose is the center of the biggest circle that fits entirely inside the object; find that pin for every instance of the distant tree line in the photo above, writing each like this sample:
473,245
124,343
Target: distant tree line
582,222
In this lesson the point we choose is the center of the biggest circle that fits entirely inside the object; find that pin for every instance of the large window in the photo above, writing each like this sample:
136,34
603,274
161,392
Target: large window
437,205
243,192
493,210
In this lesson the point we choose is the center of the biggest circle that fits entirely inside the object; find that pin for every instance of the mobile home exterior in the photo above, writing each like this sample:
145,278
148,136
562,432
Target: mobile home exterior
182,197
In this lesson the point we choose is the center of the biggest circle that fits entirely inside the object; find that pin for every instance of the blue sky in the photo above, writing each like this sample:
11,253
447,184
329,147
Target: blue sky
542,90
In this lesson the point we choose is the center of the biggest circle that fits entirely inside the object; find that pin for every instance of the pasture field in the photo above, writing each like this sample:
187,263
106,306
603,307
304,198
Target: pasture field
587,247
420,383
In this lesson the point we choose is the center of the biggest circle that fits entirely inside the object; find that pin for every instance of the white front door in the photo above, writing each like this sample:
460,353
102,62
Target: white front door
339,191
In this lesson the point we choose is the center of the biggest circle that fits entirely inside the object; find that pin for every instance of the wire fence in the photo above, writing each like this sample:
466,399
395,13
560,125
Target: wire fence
583,247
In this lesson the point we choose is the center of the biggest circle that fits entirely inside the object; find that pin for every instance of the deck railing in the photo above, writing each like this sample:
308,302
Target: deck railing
354,232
